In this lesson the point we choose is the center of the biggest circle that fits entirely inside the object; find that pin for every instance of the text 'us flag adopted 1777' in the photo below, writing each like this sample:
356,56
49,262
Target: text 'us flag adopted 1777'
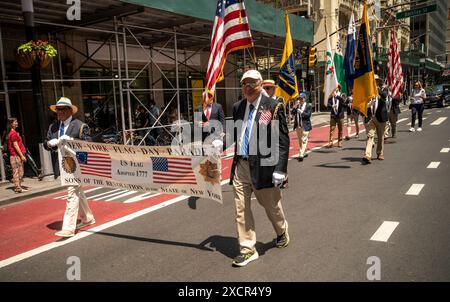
171,170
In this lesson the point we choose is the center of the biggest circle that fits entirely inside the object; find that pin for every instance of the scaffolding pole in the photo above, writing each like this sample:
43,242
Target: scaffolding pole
119,74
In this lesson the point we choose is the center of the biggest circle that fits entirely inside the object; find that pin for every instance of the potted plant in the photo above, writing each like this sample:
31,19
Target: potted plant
29,52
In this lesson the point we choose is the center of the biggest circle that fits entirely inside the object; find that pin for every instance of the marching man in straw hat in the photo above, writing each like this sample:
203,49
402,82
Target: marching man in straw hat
68,128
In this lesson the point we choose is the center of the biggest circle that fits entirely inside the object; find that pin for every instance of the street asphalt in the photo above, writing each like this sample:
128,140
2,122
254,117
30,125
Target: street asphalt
334,206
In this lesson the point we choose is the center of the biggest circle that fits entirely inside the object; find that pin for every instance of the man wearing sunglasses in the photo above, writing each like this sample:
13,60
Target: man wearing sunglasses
255,117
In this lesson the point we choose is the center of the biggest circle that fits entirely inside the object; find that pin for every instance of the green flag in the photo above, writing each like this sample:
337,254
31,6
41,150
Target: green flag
339,66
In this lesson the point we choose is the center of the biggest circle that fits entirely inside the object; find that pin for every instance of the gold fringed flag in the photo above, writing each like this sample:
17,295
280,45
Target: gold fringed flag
287,80
364,87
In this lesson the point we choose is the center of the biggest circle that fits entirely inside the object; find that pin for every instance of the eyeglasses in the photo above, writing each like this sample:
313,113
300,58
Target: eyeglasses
62,108
252,85
269,87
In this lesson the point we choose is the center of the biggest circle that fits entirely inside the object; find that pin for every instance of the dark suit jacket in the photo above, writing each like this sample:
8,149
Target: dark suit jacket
76,129
261,174
341,107
395,106
304,119
381,114
217,114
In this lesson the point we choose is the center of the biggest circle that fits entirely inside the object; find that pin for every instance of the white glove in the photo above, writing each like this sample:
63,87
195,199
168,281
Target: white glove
218,145
278,178
53,142
65,138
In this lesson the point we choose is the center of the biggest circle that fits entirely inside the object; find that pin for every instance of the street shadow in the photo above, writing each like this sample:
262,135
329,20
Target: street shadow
390,141
355,148
326,150
229,247
157,241
57,225
333,166
352,159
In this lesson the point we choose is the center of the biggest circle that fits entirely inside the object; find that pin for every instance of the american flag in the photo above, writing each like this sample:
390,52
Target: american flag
173,170
230,32
265,117
395,73
94,163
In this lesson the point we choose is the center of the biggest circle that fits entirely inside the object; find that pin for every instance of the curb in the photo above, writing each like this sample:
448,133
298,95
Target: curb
37,193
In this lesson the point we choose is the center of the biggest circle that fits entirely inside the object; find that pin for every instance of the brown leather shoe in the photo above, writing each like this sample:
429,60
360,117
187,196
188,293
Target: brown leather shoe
380,157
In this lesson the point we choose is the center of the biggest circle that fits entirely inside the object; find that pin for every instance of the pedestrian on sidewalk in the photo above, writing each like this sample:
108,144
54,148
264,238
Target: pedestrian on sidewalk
302,124
417,97
336,102
376,123
68,128
253,172
17,153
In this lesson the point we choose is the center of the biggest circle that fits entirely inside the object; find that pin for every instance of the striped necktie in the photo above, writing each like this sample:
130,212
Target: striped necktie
61,130
245,149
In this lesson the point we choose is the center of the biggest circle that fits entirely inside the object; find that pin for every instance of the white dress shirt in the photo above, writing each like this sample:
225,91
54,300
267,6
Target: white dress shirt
245,121
66,125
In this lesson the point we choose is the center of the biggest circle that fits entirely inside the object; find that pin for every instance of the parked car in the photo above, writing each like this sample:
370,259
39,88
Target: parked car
437,95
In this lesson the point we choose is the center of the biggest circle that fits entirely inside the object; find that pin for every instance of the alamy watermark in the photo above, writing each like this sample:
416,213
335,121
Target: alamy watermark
74,271
374,271
74,11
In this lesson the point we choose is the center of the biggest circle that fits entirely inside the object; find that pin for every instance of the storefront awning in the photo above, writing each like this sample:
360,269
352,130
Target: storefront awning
430,65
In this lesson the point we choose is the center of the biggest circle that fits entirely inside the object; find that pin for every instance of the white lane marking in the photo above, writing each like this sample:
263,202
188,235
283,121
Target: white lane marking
438,121
384,231
121,195
140,197
434,164
402,120
415,189
111,195
89,232
104,193
445,150
87,191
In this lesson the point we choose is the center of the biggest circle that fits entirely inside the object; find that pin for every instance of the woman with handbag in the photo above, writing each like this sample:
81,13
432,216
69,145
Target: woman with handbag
417,97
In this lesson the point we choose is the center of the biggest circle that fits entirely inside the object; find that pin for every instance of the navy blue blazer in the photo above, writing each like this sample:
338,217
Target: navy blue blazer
261,175
304,119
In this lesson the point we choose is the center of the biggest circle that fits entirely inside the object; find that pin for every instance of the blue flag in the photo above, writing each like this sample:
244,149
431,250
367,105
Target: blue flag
350,51
287,80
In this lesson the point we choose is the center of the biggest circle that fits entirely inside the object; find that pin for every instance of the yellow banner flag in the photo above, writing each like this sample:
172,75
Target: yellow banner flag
287,80
364,87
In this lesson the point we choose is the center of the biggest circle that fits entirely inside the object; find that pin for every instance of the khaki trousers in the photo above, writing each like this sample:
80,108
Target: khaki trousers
269,198
340,124
302,140
76,200
355,118
392,125
375,126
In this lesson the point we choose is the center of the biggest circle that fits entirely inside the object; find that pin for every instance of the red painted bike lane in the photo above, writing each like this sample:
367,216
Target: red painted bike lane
31,224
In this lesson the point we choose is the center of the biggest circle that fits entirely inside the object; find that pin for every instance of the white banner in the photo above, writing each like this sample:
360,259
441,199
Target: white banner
181,170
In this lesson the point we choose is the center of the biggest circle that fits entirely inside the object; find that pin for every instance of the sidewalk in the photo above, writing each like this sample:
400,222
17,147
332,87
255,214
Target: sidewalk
35,188
38,188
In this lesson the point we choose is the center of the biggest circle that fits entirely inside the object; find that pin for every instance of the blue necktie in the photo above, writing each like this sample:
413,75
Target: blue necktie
61,130
245,148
